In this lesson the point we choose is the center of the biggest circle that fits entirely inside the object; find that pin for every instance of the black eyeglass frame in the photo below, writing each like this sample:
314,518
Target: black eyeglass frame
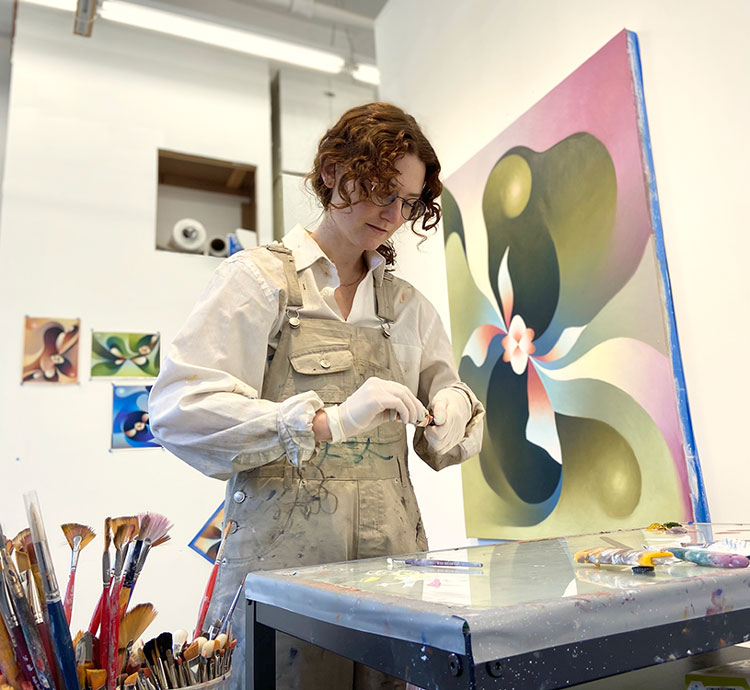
417,207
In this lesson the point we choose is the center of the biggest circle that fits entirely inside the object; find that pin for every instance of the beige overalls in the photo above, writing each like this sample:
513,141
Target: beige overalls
351,500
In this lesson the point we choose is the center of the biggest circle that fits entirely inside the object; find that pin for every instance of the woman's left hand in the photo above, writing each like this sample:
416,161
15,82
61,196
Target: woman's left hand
451,411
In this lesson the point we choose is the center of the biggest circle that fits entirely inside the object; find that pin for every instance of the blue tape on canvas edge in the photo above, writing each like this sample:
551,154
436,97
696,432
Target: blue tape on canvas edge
695,476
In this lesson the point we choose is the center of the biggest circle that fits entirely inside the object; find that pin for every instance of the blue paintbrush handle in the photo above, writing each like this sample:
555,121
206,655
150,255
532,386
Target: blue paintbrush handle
63,644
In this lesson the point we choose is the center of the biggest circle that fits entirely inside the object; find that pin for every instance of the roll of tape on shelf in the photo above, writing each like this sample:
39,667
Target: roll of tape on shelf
188,235
218,246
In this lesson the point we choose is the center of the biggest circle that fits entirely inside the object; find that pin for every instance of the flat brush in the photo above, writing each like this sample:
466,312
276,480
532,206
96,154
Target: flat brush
59,630
208,594
96,678
78,537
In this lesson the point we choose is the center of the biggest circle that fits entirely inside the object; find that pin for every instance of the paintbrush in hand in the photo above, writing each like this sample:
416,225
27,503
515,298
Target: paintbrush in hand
59,630
208,594
78,537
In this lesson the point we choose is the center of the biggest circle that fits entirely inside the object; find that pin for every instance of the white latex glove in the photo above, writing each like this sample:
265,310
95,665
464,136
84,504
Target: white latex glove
451,411
371,405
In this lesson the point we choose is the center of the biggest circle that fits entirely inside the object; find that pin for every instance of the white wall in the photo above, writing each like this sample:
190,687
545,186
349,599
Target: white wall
474,67
309,104
79,210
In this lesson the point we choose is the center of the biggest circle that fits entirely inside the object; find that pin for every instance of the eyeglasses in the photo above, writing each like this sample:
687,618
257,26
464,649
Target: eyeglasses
411,209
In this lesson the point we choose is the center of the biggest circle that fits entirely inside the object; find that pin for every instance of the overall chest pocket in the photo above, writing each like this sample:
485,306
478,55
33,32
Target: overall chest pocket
328,370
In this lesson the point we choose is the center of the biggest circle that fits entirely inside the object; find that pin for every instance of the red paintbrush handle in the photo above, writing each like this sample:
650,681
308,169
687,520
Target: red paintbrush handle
96,619
68,603
47,644
113,636
23,657
104,634
203,609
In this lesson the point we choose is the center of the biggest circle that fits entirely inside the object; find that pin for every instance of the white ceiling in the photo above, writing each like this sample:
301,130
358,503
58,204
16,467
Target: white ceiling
341,26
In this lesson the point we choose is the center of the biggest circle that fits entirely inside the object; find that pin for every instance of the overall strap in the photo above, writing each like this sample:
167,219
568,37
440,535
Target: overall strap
384,289
294,300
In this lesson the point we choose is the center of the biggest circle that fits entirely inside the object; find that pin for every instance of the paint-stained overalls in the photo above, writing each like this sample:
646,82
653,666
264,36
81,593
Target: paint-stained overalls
351,500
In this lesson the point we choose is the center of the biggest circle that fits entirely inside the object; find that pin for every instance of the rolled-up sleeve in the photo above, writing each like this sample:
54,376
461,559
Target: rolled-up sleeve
438,371
205,405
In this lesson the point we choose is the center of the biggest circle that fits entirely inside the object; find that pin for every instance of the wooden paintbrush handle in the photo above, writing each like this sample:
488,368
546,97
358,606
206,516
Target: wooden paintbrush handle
203,608
68,605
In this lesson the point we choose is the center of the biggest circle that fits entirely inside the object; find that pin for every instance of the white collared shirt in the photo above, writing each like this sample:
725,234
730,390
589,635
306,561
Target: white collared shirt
205,405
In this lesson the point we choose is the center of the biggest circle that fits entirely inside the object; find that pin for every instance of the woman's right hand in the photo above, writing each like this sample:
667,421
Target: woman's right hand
371,405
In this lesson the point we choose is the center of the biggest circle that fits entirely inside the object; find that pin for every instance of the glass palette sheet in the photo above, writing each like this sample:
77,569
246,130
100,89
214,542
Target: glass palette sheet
528,595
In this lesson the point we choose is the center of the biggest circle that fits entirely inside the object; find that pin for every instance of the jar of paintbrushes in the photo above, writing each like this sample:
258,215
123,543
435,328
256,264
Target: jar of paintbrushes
37,650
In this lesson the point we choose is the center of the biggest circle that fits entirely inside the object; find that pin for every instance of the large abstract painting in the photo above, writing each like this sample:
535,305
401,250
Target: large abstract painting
562,318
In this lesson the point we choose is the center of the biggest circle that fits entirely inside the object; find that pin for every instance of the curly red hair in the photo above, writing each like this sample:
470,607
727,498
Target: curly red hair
364,145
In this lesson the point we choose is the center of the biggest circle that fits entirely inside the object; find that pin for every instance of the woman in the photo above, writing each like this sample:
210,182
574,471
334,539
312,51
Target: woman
298,369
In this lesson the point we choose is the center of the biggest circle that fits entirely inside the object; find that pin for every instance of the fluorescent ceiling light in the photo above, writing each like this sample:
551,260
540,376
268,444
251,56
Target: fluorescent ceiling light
218,35
69,5
367,73
154,19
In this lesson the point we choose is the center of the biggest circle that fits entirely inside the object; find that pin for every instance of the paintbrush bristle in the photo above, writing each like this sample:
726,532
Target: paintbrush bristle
162,540
134,523
158,526
71,530
135,622
22,539
107,532
144,520
124,520
123,533
96,678
8,546
22,561
25,554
